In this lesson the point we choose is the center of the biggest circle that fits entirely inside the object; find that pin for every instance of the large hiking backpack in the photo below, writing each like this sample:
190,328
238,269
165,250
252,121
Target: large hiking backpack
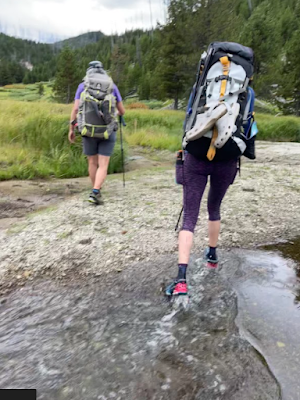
97,106
221,102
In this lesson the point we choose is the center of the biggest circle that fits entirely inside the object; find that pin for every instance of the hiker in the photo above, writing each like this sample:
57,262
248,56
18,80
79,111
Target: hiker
97,101
216,134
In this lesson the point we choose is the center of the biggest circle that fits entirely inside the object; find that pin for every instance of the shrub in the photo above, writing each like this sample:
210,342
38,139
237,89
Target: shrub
15,86
137,105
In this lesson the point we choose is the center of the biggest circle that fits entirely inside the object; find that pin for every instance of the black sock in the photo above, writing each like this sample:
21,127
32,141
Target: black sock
96,191
212,253
181,271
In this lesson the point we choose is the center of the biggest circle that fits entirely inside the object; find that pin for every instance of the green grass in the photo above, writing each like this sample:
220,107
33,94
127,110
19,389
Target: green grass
34,144
154,129
23,92
279,129
154,138
264,107
163,129
156,105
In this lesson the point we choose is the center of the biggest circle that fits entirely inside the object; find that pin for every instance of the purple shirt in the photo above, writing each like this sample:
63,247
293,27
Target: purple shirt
80,89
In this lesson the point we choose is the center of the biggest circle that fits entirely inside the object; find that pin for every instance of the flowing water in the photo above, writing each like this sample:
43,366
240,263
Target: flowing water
117,338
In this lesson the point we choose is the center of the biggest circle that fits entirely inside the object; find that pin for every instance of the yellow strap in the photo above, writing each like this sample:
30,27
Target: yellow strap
226,66
212,150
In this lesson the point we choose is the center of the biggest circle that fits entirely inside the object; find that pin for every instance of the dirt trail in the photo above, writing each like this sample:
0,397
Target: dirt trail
18,198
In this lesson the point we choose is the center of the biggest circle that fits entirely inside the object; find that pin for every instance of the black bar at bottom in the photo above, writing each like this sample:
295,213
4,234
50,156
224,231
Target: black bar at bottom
18,394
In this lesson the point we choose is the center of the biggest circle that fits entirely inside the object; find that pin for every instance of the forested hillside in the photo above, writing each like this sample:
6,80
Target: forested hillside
162,64
18,56
79,41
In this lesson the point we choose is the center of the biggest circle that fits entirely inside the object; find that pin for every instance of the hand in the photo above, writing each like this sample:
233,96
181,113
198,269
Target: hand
71,136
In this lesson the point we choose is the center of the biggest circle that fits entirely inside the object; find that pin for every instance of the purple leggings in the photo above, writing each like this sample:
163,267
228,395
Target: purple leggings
222,174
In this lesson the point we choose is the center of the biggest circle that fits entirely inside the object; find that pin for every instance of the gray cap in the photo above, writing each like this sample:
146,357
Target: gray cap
95,64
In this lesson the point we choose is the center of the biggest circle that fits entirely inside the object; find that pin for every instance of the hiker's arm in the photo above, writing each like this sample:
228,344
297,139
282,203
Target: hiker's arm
73,116
120,108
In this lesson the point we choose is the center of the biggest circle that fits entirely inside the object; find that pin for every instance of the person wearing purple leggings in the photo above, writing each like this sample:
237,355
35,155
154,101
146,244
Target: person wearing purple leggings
197,170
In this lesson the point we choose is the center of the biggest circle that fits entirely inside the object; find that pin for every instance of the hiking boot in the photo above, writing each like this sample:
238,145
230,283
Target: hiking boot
95,198
177,288
212,262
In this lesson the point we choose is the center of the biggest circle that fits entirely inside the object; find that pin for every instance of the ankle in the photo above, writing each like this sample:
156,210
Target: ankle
212,252
96,191
182,271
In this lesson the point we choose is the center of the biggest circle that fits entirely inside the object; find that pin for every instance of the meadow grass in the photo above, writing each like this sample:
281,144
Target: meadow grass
155,129
34,144
278,129
163,129
29,92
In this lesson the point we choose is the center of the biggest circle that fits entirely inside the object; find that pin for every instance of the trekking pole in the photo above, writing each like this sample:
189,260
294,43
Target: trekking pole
122,122
176,227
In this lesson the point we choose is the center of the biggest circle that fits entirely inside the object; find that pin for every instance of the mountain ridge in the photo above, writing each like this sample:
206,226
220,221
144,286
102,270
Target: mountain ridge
81,40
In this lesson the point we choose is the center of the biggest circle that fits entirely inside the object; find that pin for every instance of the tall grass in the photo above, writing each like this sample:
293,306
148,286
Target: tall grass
27,92
163,129
279,129
155,129
33,137
34,144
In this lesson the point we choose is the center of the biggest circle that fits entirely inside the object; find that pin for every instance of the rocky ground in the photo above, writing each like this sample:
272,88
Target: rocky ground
89,282
72,238
114,337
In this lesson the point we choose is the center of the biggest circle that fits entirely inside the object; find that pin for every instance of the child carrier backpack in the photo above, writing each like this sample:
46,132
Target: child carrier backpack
97,107
221,103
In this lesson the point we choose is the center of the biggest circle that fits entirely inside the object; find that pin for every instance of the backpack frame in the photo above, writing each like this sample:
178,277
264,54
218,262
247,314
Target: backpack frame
239,56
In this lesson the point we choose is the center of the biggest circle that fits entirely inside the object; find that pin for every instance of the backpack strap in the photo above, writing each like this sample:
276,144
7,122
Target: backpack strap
212,150
226,67
238,92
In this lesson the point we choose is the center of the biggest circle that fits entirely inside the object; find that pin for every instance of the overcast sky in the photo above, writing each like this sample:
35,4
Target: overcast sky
66,18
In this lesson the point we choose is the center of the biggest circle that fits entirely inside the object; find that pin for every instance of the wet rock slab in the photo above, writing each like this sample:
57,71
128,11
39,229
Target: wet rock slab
111,338
268,300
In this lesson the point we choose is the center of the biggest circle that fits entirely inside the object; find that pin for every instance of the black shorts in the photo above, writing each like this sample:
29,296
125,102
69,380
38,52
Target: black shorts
103,147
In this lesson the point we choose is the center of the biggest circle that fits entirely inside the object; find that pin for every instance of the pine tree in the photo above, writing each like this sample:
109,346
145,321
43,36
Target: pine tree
119,68
144,86
290,84
5,74
26,78
66,78
41,89
173,68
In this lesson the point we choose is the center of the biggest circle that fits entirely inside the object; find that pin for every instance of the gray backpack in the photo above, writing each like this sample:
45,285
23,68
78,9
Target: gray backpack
97,108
